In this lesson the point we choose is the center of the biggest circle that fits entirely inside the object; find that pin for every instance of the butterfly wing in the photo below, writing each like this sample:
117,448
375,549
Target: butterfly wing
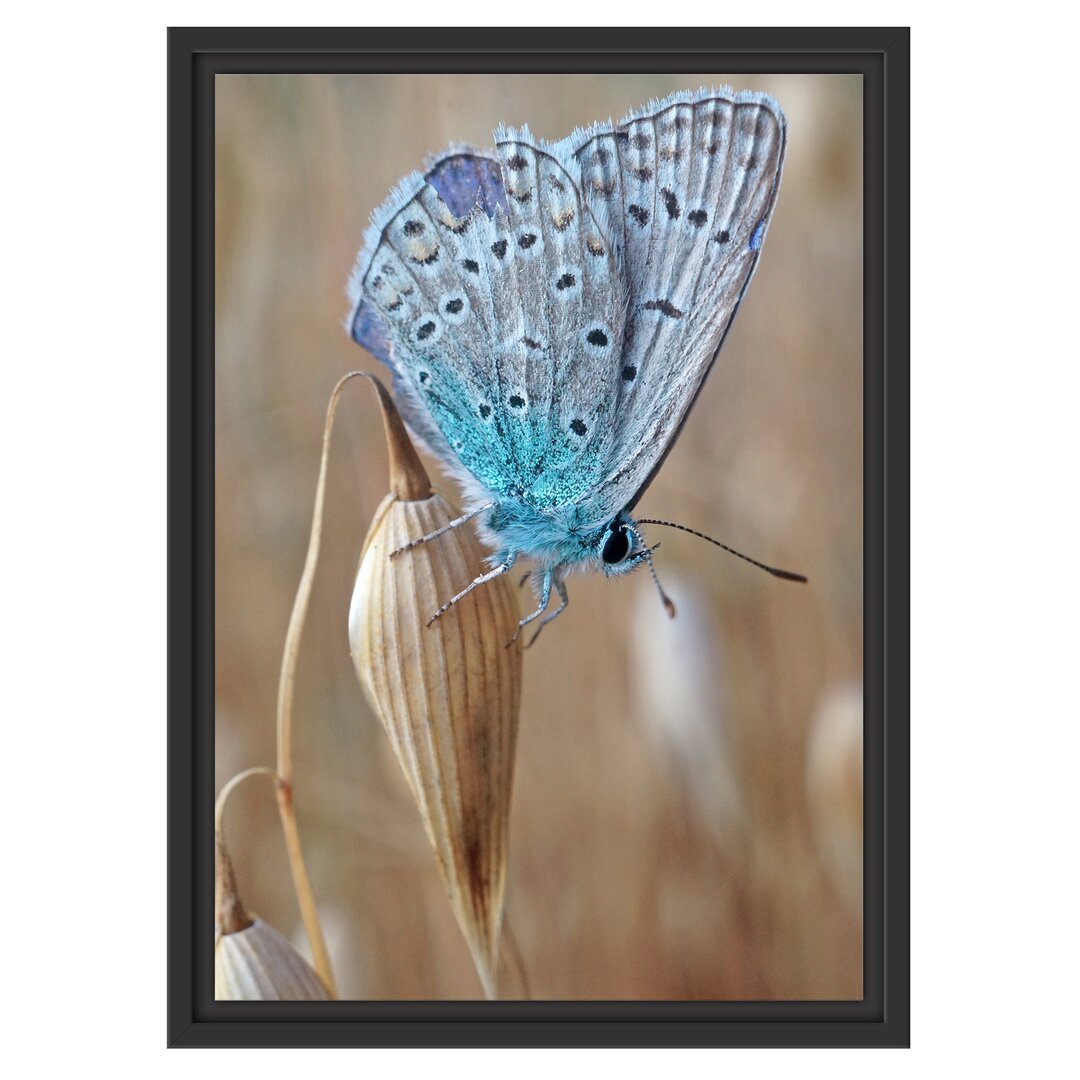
683,190
490,290
464,179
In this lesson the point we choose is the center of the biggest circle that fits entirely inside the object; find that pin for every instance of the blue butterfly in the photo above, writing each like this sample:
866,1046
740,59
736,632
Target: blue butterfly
549,312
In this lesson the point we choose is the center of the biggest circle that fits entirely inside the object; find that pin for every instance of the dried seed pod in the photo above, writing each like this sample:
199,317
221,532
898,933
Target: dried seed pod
258,964
448,695
834,788
252,961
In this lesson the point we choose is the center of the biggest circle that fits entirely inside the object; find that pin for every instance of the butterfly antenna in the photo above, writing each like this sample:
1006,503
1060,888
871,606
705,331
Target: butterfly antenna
787,575
669,604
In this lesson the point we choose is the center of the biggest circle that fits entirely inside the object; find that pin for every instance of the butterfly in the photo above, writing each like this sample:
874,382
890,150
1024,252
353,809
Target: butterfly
549,313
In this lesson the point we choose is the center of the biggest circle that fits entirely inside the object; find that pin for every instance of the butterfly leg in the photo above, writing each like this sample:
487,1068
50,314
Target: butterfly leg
545,596
560,588
502,568
443,529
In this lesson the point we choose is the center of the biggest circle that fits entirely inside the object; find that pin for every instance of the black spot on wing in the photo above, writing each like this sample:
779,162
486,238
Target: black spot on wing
665,307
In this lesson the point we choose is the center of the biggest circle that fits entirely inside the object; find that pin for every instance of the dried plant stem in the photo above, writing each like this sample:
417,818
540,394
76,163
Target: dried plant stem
230,915
286,689
513,954
227,790
304,896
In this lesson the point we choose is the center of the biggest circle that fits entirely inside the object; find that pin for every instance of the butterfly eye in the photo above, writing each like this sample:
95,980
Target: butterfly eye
616,547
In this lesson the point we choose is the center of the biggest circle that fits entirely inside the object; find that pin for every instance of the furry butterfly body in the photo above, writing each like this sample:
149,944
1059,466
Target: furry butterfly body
550,311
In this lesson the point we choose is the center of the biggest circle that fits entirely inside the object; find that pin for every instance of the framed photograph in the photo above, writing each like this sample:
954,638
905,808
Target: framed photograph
400,814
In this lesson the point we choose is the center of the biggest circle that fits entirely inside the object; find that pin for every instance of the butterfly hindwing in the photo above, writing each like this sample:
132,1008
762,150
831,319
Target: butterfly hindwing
504,320
563,301
465,179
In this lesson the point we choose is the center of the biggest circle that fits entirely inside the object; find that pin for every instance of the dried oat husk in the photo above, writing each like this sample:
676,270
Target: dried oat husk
448,695
252,961
258,964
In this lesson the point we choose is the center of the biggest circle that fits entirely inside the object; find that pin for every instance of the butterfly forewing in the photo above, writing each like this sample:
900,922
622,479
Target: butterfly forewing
684,192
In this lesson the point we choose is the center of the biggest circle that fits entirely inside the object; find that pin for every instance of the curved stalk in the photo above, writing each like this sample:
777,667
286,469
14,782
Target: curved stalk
286,689
404,470
230,915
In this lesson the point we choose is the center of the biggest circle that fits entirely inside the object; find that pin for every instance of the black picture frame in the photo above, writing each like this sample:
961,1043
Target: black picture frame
195,56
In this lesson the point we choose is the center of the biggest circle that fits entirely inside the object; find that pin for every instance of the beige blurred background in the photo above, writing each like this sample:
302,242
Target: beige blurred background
687,818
